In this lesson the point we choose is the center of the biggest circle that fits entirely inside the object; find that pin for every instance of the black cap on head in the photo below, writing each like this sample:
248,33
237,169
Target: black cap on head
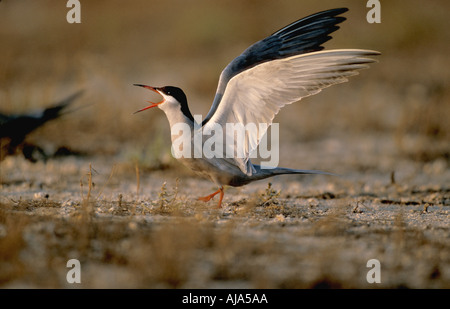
179,95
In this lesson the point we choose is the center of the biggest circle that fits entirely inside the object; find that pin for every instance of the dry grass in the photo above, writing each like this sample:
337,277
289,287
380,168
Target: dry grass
271,238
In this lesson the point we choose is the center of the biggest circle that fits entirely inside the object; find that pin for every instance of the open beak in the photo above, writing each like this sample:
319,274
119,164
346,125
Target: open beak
152,104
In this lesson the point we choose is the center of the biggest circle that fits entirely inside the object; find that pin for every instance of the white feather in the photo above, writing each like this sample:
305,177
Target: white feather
257,94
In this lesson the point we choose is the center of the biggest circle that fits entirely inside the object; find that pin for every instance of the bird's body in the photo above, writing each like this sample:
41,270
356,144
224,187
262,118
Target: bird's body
278,70
14,128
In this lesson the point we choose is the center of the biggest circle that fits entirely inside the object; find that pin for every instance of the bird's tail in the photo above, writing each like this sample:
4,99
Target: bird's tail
262,173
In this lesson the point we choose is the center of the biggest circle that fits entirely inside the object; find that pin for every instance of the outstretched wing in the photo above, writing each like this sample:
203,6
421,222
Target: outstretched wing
16,127
303,36
257,94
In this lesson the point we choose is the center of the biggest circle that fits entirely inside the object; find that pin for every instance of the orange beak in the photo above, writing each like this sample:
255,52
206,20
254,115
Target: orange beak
152,104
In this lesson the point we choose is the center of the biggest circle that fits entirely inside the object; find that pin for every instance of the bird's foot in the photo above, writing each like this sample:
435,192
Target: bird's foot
209,197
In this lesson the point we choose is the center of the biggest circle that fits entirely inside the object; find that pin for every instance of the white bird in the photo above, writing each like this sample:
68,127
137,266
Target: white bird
281,69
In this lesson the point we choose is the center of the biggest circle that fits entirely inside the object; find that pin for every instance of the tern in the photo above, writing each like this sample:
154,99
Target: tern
14,128
281,69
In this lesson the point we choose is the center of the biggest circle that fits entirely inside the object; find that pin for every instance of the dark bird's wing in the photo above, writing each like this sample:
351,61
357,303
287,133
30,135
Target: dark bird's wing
14,128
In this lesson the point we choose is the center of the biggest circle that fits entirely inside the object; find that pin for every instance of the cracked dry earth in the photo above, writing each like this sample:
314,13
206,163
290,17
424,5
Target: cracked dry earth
136,227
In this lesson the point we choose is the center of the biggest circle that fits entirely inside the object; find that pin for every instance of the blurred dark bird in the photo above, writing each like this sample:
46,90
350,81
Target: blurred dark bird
15,128
281,69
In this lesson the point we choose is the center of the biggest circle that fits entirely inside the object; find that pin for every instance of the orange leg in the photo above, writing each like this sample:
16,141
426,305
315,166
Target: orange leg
209,197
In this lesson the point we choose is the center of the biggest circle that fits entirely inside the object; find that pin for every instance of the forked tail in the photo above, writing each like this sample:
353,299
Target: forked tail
262,172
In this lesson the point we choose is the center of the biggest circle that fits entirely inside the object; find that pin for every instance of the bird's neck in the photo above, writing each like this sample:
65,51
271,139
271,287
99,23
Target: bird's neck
179,118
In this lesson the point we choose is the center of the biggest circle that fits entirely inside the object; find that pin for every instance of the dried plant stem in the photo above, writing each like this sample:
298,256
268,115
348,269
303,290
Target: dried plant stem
113,170
138,184
86,200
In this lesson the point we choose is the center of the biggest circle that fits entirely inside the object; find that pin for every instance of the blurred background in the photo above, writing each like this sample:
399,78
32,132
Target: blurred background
187,44
387,130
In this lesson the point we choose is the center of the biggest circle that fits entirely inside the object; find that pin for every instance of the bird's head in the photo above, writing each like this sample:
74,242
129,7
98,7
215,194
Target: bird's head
170,96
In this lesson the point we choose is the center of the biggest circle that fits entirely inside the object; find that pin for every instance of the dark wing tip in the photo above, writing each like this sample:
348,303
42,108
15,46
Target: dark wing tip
57,109
324,15
339,11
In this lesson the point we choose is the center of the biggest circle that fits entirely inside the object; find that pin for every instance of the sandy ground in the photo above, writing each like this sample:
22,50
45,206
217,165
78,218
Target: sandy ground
301,232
